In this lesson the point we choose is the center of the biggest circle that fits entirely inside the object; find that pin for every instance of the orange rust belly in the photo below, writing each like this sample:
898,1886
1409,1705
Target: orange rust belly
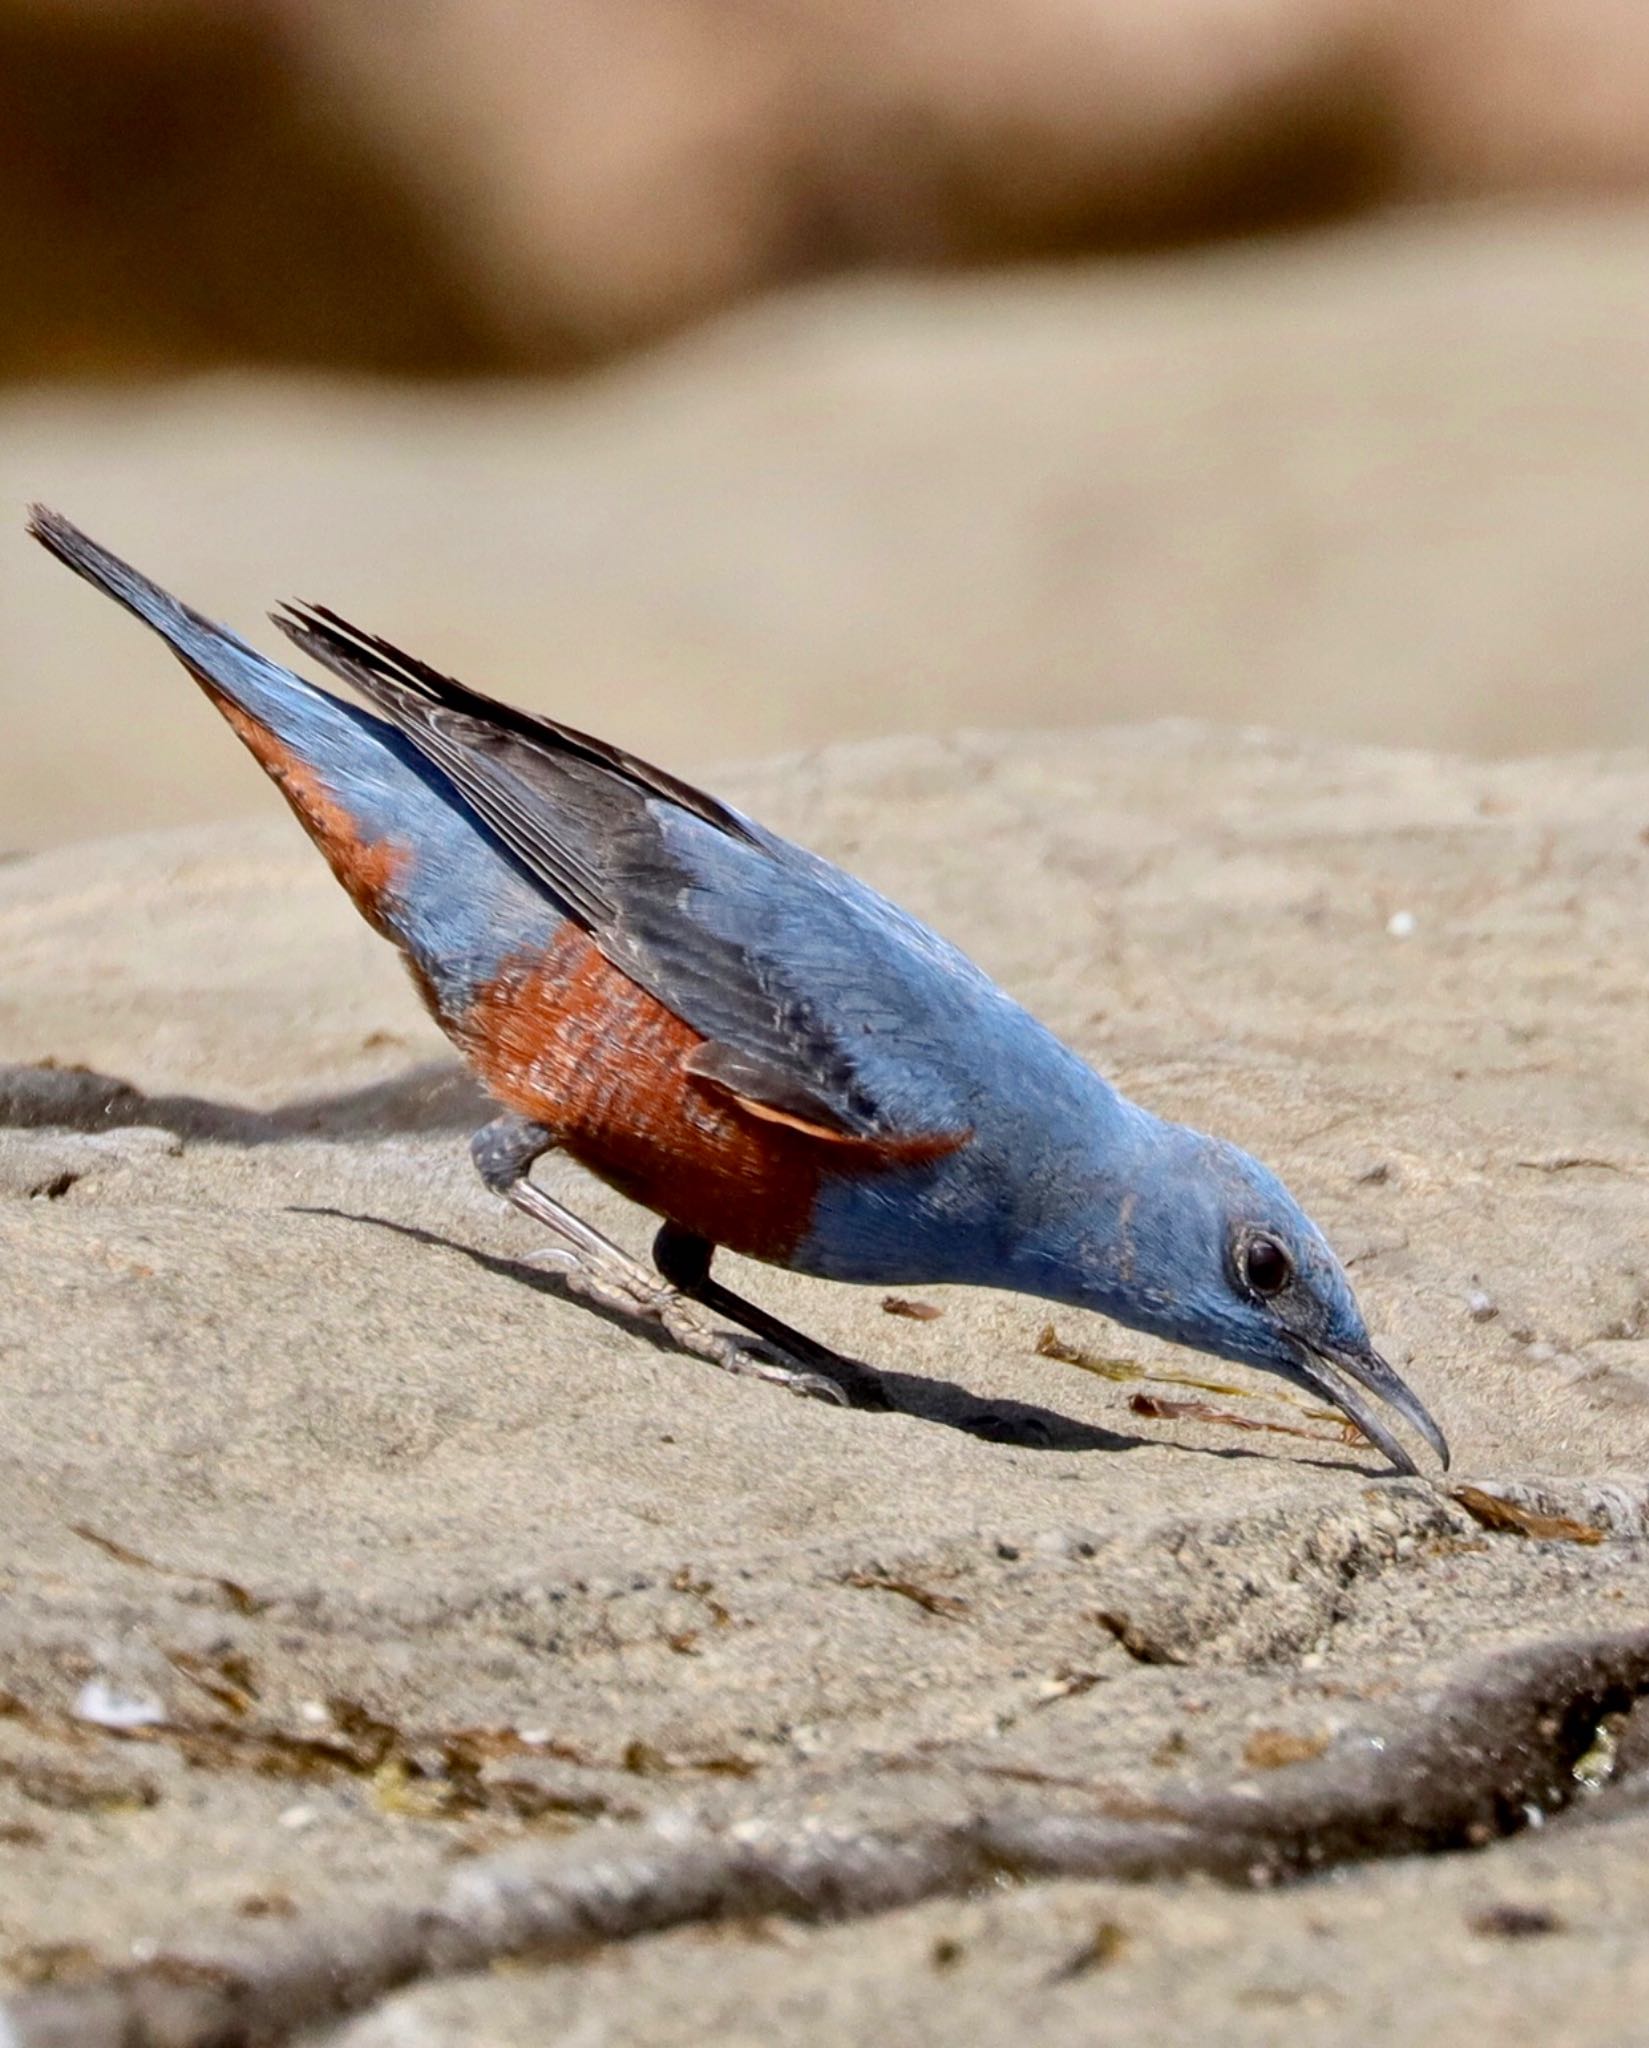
568,1040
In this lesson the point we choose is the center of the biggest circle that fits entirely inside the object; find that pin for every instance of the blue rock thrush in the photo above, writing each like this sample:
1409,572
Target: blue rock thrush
748,1041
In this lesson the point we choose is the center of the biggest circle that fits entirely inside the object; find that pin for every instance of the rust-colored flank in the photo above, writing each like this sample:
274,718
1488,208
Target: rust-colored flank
567,1039
367,868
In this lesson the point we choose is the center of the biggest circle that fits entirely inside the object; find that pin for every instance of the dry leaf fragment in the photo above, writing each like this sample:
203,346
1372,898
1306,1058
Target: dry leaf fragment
946,1605
1164,1410
1493,1511
39,1963
683,1580
1051,1345
232,1590
225,1679
645,1761
467,1749
1273,1749
397,1791
914,1311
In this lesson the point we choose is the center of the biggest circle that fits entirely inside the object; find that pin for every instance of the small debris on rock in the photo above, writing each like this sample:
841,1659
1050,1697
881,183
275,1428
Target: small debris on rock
912,1311
267,1906
1066,1685
1401,924
1273,1749
36,1964
946,1605
1597,1763
643,1759
233,1592
1514,1923
1065,1543
1103,1946
1481,1307
1142,1645
105,1706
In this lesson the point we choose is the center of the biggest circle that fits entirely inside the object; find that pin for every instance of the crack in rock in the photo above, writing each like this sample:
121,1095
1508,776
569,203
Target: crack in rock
1477,1757
1256,1588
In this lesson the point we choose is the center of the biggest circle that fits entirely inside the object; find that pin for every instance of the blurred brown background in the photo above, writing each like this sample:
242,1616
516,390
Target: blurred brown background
733,376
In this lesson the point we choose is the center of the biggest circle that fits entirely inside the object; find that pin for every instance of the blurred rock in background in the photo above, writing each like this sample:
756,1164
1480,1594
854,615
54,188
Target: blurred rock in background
1271,361
450,185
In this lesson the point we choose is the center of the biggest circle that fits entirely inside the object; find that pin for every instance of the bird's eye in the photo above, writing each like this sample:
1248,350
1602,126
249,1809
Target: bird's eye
1266,1267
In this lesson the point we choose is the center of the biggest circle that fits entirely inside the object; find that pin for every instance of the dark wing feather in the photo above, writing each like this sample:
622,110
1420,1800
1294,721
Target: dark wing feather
583,818
498,757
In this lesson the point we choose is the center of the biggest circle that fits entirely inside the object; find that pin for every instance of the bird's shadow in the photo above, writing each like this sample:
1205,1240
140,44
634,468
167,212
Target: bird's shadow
438,1098
1022,1424
432,1099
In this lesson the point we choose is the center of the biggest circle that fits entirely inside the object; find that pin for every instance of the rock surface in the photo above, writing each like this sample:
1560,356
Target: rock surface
503,187
383,1555
1386,486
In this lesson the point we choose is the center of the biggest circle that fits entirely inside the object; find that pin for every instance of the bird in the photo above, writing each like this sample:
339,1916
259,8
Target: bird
750,1042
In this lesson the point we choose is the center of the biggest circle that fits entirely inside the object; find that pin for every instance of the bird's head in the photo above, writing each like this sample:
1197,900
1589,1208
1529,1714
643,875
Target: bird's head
1207,1248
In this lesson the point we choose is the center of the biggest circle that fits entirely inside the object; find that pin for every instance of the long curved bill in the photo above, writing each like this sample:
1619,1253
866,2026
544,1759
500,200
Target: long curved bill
1343,1377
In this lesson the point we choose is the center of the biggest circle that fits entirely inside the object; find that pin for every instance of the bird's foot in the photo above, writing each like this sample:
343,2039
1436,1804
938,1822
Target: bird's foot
752,1359
628,1289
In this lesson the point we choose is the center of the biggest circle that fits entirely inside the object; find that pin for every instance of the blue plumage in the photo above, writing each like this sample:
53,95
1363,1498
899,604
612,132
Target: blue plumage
751,1041
461,903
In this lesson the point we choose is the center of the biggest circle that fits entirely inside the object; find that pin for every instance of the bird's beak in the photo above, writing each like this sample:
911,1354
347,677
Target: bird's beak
1340,1375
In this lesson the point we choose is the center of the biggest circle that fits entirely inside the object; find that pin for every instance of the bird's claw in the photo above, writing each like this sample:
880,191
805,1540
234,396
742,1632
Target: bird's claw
637,1294
751,1358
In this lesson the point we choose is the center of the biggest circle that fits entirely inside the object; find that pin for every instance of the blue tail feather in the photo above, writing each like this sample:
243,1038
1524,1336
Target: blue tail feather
300,714
462,904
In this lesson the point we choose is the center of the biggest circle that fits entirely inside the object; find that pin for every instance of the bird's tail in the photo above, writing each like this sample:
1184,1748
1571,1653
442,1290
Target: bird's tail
421,867
233,673
359,789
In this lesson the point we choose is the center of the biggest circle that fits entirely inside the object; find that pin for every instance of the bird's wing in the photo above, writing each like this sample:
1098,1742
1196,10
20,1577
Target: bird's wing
791,970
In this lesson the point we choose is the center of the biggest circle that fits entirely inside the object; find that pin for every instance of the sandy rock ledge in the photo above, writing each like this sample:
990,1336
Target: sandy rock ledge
349,1571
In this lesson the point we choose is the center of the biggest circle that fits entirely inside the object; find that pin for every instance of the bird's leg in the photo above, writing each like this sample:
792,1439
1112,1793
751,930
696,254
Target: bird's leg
593,1266
684,1260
